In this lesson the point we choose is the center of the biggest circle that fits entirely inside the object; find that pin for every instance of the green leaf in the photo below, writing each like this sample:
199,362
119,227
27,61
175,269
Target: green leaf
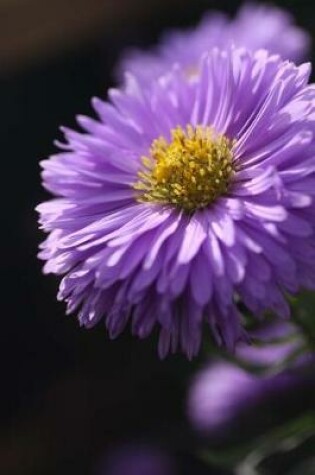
245,459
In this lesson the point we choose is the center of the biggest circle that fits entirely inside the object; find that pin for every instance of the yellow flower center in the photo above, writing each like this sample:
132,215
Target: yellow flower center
189,172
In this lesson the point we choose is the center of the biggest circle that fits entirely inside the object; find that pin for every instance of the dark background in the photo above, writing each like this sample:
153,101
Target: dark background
69,395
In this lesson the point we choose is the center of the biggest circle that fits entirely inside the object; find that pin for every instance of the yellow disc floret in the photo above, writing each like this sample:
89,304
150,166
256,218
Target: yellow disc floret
189,172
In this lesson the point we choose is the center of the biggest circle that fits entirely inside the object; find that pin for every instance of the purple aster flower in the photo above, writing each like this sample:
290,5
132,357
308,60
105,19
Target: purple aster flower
255,26
222,394
186,198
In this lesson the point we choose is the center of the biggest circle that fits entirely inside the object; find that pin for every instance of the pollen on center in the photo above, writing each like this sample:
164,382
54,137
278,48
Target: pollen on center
190,171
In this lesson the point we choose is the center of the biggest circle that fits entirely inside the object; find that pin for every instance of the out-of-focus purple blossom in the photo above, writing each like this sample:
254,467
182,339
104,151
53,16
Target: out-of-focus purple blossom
181,199
276,343
137,460
223,392
255,26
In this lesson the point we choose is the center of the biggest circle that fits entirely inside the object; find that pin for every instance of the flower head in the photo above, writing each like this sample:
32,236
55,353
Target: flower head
255,26
190,172
185,199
